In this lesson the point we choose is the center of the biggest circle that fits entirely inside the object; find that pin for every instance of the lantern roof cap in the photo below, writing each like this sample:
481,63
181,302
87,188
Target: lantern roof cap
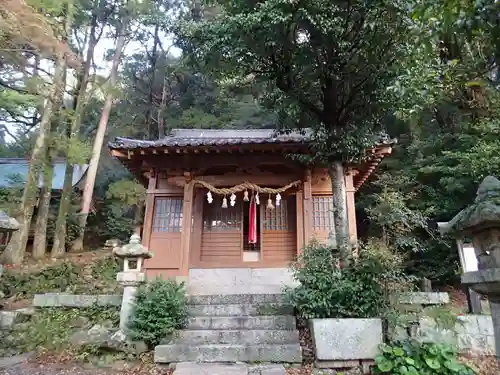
133,249
483,213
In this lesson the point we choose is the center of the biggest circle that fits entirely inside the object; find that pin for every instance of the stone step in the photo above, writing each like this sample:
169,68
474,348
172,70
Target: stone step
286,353
240,309
242,337
231,299
285,322
190,368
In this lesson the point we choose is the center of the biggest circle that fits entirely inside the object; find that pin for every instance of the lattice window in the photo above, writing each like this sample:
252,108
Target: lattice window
167,215
216,218
322,214
280,218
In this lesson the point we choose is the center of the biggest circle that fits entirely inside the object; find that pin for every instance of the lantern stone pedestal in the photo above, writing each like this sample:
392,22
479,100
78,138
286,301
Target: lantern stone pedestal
481,222
133,255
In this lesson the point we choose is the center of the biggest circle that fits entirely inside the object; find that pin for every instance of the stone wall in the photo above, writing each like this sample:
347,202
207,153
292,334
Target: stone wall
76,300
472,334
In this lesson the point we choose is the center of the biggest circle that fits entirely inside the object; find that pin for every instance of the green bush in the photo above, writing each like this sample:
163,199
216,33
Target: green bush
62,277
358,291
414,358
56,278
160,310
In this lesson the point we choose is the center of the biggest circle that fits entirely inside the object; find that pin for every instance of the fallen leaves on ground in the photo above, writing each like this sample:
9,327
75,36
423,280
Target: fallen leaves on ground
483,366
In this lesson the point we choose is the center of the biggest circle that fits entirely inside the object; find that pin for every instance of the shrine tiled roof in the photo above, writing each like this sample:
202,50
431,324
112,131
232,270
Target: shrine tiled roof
212,137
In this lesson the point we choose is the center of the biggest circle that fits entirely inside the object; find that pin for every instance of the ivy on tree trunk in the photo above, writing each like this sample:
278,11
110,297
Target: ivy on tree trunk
14,253
341,222
40,237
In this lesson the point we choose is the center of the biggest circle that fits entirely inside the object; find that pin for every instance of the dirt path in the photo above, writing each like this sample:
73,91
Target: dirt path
14,366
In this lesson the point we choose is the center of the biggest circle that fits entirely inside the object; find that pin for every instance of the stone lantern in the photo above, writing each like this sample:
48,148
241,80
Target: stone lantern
481,222
133,255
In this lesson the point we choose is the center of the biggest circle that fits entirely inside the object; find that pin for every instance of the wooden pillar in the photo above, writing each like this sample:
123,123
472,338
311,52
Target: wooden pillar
300,220
187,224
351,208
307,208
195,251
149,210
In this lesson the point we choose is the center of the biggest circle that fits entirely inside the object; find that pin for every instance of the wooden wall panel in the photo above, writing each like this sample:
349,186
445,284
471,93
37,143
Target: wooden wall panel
221,247
320,182
279,246
162,183
165,251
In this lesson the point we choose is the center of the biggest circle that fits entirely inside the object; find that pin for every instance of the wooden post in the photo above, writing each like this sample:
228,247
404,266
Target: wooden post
300,220
148,212
307,208
187,224
194,253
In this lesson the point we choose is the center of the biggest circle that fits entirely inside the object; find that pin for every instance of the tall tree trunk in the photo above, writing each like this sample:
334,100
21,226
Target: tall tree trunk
341,235
161,109
40,235
14,253
40,240
99,139
59,243
151,96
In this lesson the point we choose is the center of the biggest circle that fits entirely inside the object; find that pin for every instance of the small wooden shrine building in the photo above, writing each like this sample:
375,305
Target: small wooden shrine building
250,207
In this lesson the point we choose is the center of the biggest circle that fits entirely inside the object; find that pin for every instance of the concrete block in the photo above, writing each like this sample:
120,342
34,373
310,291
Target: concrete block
290,353
466,342
266,368
236,337
109,300
273,370
490,345
346,339
424,298
485,324
430,332
7,319
75,300
46,300
337,364
190,368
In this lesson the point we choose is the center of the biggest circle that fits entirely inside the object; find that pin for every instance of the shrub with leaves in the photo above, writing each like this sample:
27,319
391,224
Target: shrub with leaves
160,310
358,291
414,358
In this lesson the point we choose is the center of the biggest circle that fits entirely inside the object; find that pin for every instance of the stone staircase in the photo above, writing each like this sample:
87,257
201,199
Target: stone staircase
235,328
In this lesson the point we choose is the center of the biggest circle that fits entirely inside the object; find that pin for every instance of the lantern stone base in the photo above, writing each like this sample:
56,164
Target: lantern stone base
130,281
486,281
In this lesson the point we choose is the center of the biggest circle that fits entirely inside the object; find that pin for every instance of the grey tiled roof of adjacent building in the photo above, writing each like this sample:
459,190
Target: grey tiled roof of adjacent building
211,137
13,173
